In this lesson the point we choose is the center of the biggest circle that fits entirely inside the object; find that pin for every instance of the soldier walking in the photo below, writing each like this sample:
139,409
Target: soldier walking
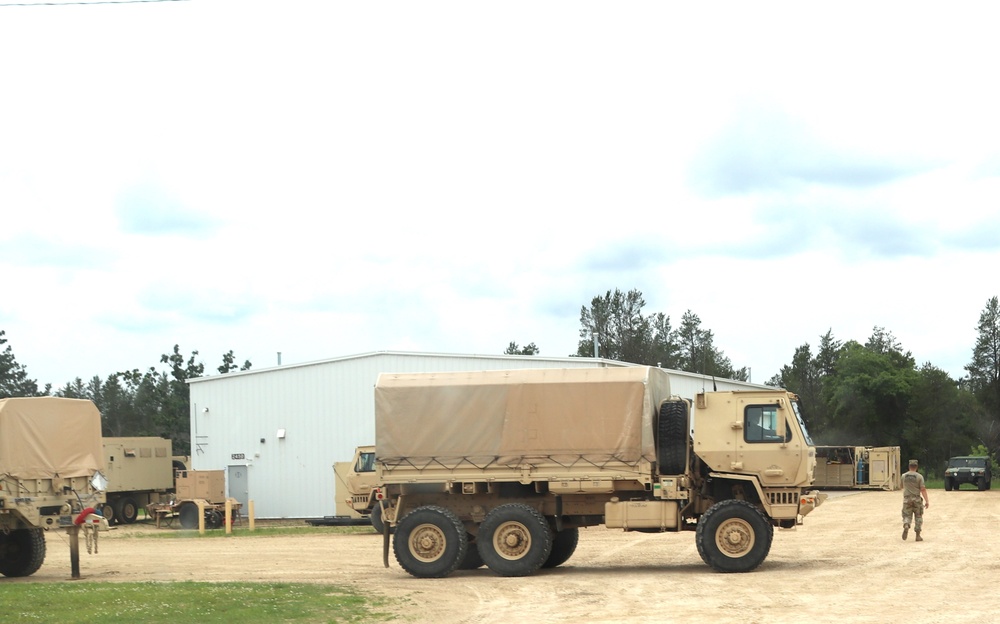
913,489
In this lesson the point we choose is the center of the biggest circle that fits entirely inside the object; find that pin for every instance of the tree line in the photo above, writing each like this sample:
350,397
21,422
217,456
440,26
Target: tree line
852,393
153,402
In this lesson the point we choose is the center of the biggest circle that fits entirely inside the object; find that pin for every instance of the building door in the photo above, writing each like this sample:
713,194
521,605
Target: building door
239,487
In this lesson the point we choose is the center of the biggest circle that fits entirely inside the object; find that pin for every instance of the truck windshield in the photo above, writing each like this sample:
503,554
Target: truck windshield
802,423
967,462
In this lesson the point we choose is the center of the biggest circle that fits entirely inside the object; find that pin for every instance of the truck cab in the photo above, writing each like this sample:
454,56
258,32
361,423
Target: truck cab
362,481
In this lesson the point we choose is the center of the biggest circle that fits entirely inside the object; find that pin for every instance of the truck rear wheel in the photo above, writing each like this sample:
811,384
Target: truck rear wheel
22,552
734,536
672,437
472,561
108,511
563,546
127,510
514,540
430,542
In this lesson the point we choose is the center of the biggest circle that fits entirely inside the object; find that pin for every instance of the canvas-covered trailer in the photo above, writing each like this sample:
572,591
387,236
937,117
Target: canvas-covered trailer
857,467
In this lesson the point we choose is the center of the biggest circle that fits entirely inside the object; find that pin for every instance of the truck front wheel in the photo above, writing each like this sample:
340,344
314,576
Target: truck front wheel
514,540
734,536
430,542
22,552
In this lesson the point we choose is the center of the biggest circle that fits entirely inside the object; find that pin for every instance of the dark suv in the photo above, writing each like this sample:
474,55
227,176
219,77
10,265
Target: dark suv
974,470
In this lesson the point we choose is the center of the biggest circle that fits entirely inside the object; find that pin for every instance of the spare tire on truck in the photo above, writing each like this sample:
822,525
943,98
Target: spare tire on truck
672,437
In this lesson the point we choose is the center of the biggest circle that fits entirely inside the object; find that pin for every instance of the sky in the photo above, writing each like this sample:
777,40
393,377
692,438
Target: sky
323,179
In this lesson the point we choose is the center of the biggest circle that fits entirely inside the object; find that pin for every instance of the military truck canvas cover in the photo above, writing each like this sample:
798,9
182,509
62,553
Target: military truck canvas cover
49,437
597,414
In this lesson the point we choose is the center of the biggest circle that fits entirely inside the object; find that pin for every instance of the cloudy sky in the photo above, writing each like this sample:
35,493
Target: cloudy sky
326,178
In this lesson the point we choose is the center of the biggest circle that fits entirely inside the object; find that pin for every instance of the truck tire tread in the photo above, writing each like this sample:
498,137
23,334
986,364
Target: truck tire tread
746,516
672,437
439,524
24,552
563,546
518,519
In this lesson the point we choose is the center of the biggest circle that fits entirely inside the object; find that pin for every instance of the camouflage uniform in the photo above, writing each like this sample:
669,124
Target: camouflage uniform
913,504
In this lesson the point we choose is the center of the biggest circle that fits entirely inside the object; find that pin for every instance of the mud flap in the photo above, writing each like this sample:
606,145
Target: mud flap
385,537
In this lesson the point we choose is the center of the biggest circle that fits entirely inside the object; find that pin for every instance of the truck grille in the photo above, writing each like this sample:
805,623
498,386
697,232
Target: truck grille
790,497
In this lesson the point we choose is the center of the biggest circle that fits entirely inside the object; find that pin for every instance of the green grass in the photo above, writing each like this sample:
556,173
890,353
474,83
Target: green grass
187,602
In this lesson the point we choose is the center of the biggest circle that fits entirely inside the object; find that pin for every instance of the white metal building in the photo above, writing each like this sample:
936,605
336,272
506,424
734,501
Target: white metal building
278,431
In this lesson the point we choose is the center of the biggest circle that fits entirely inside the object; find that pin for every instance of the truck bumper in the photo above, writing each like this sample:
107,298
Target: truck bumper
809,501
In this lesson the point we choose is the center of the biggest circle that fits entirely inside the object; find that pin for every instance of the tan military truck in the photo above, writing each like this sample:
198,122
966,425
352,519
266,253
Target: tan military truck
140,471
357,485
520,460
50,476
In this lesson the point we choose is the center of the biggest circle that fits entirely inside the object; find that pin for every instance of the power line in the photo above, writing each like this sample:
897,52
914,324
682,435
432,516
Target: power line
27,4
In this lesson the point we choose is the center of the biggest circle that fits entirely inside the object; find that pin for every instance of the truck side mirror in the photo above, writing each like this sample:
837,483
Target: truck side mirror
99,482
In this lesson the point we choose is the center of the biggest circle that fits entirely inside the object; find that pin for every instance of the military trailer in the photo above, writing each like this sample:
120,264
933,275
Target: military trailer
197,494
140,471
858,468
50,476
503,468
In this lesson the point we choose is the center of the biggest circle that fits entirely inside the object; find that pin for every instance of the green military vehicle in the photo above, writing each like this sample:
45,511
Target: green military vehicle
503,468
974,470
50,477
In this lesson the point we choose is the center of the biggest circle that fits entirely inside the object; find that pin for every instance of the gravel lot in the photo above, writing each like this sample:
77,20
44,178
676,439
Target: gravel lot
846,564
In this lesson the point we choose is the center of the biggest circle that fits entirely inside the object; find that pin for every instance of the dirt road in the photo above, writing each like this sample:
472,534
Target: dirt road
846,564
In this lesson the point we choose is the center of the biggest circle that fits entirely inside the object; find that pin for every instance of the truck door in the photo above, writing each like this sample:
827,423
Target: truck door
767,443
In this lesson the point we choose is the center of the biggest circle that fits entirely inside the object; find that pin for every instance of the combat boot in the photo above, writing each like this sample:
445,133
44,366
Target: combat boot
906,530
919,539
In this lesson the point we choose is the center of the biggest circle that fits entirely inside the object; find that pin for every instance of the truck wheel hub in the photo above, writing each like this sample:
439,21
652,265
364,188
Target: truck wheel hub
735,538
512,541
427,543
